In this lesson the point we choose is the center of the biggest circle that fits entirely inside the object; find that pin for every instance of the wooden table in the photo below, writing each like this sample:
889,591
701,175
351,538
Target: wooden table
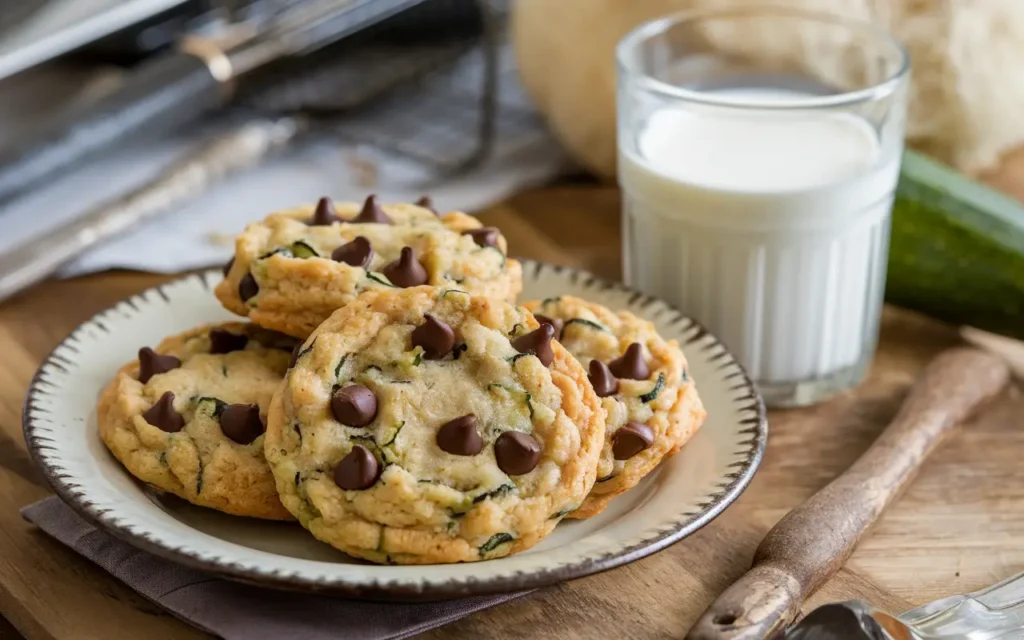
958,528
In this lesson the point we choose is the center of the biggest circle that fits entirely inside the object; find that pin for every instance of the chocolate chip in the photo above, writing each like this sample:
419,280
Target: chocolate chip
151,363
602,379
354,405
631,365
163,416
323,215
406,271
227,266
537,342
427,203
242,422
358,470
516,452
436,337
223,341
556,323
631,439
484,236
247,287
460,436
356,253
371,212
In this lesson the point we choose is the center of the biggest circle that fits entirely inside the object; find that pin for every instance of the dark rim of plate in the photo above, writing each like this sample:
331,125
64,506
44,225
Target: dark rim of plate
755,426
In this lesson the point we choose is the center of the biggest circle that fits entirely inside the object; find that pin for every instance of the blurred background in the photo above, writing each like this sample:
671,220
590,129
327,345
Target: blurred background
144,134
112,111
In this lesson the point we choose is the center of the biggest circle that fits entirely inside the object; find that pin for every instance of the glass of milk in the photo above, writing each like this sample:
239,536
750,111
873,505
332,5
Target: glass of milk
758,155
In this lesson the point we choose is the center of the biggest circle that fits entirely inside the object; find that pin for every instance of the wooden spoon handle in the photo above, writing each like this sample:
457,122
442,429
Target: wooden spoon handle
814,540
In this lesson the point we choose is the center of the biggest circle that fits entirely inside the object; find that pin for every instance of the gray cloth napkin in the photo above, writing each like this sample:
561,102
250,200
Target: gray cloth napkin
231,610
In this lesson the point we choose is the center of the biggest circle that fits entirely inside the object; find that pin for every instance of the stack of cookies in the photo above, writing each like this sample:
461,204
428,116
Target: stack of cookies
389,394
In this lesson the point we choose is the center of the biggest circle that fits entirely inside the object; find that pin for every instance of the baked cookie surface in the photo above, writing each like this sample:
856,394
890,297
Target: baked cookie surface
188,417
425,425
651,402
297,266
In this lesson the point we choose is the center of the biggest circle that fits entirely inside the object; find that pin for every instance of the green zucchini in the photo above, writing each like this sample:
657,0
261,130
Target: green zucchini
494,494
371,444
461,509
408,360
500,253
957,249
518,394
212,406
303,352
512,359
199,474
563,513
380,278
385,452
391,439
653,393
585,323
297,249
496,541
302,250
284,251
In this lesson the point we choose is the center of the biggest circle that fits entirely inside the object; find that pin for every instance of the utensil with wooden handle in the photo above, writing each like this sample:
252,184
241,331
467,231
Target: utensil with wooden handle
815,539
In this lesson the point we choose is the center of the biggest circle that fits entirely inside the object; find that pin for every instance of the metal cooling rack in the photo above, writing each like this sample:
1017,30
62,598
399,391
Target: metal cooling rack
448,102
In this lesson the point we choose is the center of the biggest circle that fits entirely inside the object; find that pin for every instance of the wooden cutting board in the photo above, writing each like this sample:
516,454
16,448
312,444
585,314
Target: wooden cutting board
959,527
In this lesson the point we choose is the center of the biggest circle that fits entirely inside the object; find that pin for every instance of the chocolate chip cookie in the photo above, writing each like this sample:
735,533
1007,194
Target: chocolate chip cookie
297,266
426,425
188,417
651,402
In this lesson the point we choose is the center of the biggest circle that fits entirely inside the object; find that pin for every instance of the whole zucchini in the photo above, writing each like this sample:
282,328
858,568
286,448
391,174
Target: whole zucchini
957,249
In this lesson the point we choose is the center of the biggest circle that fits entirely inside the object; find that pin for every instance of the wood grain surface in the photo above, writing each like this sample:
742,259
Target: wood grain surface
815,539
960,525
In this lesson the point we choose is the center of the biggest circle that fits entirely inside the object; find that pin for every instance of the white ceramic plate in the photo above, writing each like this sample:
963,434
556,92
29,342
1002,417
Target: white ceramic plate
681,496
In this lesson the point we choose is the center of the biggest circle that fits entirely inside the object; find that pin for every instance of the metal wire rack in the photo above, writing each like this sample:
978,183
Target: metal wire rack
449,101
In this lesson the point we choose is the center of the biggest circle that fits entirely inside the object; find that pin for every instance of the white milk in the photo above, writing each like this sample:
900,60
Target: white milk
770,228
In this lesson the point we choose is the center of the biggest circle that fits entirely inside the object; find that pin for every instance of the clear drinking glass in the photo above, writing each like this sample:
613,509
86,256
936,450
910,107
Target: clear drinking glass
758,154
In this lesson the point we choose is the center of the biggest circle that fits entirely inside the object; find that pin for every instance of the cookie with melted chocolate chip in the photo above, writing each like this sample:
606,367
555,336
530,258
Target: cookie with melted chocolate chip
189,416
651,401
297,266
428,425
